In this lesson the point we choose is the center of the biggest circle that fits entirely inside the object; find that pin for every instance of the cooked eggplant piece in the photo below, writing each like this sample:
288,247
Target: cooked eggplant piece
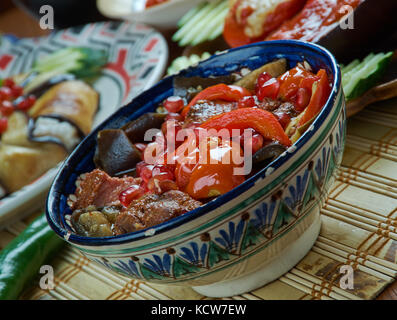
63,114
136,129
115,152
40,90
189,86
373,21
54,129
268,153
275,69
91,224
74,101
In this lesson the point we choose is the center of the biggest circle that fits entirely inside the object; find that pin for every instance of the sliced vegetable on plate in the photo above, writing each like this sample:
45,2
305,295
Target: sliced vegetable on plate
202,23
43,126
67,83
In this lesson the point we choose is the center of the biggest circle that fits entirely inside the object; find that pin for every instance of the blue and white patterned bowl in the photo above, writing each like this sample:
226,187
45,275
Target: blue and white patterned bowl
245,238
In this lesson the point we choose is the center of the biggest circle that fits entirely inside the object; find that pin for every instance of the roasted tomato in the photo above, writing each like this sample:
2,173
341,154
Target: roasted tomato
213,171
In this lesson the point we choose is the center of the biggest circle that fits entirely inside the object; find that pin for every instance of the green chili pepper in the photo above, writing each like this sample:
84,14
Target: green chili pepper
21,259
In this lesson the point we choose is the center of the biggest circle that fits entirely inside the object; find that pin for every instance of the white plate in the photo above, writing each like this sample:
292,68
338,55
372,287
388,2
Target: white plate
137,59
164,15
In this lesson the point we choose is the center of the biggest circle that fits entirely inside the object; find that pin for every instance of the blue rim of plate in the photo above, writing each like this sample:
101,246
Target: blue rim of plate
53,196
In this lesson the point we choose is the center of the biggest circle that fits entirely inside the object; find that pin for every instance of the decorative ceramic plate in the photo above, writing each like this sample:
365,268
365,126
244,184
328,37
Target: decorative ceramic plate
137,59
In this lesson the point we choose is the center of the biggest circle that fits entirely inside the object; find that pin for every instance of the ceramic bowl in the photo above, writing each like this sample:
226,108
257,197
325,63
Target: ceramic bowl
245,238
164,15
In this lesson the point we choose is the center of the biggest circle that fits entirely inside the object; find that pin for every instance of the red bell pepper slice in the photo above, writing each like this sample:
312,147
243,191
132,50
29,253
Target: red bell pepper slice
292,80
261,121
320,93
218,92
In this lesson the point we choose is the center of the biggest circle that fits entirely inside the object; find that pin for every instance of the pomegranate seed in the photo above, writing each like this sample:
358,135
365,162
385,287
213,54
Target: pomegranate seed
269,89
283,118
302,99
263,78
160,186
5,93
3,125
170,130
174,104
6,108
146,172
247,102
132,193
161,172
26,103
139,167
8,82
17,91
173,116
255,143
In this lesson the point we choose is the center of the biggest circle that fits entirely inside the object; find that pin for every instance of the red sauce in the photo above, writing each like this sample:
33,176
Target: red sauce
315,20
151,3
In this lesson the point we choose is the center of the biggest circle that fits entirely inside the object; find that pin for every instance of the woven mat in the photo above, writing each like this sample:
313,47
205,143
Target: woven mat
359,229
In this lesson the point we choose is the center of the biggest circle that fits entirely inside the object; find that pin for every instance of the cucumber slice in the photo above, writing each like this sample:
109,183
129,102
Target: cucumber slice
202,23
191,13
350,66
183,62
359,78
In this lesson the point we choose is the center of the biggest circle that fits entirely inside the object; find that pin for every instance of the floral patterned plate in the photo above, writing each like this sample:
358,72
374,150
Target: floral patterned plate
137,59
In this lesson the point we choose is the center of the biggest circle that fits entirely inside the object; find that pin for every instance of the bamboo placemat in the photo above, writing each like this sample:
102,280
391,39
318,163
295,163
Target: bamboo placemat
359,229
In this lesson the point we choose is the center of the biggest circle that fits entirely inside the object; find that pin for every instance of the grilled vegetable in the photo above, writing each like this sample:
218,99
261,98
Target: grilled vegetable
115,152
73,101
261,121
22,258
275,69
319,96
136,129
269,152
219,92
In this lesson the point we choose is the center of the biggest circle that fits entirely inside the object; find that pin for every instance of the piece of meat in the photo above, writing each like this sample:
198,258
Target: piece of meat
269,104
98,189
153,209
202,111
287,108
